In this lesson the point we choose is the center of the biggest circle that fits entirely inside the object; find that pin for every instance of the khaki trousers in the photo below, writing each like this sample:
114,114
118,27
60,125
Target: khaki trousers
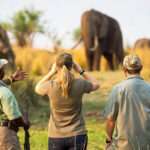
8,139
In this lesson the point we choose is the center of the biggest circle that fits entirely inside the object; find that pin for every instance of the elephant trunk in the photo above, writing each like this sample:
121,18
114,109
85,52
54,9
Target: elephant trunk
80,40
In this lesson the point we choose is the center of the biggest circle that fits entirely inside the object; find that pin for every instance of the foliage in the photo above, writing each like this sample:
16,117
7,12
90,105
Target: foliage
96,136
94,103
24,92
24,25
56,40
35,62
77,34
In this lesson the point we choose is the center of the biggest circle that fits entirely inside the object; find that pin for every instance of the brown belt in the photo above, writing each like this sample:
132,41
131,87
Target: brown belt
7,124
4,124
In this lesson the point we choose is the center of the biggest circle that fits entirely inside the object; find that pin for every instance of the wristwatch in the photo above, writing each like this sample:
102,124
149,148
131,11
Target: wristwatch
108,141
82,71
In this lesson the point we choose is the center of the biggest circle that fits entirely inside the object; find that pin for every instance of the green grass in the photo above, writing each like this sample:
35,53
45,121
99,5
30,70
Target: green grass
38,139
38,136
94,104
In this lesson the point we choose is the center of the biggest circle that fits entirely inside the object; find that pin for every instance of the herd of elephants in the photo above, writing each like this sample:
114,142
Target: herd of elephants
101,35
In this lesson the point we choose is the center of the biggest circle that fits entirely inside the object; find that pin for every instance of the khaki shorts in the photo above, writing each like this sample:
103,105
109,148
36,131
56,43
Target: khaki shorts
8,139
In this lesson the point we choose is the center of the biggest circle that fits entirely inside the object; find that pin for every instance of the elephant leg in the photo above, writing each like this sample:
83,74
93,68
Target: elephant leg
89,50
119,53
89,60
96,60
109,58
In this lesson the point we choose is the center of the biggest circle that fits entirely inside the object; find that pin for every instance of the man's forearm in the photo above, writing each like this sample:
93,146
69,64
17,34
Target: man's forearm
110,125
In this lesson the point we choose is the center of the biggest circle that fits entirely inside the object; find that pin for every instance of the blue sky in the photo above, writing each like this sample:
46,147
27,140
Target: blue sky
64,16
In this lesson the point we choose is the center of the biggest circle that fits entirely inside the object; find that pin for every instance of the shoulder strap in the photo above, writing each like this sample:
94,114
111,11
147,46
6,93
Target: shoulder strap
1,107
2,83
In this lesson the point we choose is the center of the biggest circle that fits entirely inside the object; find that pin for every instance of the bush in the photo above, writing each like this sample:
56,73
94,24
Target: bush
35,62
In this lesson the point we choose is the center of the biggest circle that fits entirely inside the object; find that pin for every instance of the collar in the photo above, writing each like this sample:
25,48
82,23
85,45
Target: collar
135,76
2,83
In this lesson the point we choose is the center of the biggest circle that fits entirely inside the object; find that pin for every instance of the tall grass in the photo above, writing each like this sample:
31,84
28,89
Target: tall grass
37,63
33,61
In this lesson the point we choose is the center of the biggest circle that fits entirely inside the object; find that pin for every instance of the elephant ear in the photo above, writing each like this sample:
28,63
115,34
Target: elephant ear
104,27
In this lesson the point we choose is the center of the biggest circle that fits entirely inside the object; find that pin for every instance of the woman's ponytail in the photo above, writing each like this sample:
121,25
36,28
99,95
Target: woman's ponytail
66,78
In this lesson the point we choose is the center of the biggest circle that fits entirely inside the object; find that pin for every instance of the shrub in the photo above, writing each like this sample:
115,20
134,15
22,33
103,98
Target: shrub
35,62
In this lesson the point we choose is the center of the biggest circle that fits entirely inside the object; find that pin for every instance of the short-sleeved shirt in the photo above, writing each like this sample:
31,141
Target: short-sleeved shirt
9,109
129,106
66,117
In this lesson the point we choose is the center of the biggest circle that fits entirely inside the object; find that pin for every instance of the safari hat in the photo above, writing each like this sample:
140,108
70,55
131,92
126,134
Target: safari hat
3,62
132,62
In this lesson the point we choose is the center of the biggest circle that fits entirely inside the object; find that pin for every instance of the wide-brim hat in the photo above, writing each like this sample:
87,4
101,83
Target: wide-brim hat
3,62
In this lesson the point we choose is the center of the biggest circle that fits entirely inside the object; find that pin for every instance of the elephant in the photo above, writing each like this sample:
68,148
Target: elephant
5,48
142,43
101,35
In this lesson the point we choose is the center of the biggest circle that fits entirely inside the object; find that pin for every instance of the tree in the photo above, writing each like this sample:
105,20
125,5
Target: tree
5,48
56,40
24,25
77,34
77,37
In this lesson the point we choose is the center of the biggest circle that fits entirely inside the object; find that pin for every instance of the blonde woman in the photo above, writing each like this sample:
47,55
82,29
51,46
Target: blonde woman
66,129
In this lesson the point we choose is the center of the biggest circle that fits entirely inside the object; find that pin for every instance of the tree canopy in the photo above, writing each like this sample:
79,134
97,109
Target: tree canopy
24,25
77,34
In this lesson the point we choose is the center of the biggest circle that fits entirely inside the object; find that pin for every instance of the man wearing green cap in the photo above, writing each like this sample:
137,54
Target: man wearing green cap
128,110
10,115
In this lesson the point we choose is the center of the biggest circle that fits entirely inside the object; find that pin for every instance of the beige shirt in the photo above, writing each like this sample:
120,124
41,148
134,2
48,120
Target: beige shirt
66,113
129,106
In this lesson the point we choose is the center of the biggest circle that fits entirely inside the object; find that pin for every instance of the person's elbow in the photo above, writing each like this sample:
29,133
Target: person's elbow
95,86
38,90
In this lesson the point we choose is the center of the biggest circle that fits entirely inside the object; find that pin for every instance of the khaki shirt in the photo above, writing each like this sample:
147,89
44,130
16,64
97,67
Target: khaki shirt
129,106
66,113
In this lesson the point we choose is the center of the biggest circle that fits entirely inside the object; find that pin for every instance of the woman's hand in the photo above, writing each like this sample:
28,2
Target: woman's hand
77,67
19,75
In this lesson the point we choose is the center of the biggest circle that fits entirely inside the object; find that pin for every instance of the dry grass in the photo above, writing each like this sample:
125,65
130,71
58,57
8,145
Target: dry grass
37,61
34,61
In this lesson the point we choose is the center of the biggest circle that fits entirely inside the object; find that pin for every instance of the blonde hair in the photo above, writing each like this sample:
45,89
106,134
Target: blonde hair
65,62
